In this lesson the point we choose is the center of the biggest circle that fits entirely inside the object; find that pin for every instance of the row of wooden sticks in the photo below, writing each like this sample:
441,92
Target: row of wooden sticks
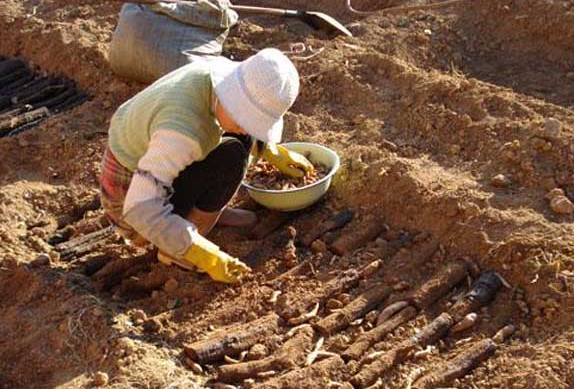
27,98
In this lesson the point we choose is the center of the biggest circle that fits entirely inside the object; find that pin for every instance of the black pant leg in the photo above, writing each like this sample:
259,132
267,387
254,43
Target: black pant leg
211,183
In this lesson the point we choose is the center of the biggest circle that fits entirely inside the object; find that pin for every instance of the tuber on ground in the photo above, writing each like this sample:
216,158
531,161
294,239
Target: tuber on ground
339,220
458,367
357,308
232,341
439,285
482,292
269,223
366,340
289,356
398,354
310,377
84,244
358,236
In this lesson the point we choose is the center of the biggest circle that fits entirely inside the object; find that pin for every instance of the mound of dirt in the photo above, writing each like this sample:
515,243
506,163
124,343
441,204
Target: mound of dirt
455,131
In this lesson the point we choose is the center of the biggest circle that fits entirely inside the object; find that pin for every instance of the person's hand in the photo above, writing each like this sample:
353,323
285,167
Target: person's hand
206,256
219,265
226,268
288,162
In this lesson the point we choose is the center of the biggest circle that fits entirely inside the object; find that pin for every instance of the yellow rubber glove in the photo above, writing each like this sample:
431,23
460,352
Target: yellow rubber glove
208,257
288,162
219,265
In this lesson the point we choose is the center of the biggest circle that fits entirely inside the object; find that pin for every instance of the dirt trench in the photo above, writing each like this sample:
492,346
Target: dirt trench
451,141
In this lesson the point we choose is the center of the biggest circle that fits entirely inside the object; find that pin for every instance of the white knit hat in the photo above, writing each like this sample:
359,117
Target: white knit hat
257,92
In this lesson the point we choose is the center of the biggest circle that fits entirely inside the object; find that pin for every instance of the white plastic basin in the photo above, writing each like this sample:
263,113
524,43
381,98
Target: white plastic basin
299,198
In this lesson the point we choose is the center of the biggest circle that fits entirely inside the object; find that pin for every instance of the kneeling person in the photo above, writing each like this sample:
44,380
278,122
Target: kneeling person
179,149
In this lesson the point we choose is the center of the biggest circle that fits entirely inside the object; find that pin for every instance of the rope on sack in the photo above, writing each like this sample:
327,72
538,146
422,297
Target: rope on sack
301,48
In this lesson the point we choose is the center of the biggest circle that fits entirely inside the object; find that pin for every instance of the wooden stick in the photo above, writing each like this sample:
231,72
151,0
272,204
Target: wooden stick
24,127
391,310
32,87
232,341
14,112
355,309
404,9
9,65
423,7
291,272
11,77
366,340
355,236
17,83
14,94
369,374
288,357
83,249
95,264
458,367
270,223
337,221
428,335
313,376
142,285
116,270
55,101
416,256
44,93
437,287
75,100
337,285
433,332
22,119
74,246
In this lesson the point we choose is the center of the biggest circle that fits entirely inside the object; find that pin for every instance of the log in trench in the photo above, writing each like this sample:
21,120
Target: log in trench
486,287
439,285
340,284
459,366
114,272
26,99
365,341
432,290
232,341
334,222
318,375
356,235
357,308
85,243
290,356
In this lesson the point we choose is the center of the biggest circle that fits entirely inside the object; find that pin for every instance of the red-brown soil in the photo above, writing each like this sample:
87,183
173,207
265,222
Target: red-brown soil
452,126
